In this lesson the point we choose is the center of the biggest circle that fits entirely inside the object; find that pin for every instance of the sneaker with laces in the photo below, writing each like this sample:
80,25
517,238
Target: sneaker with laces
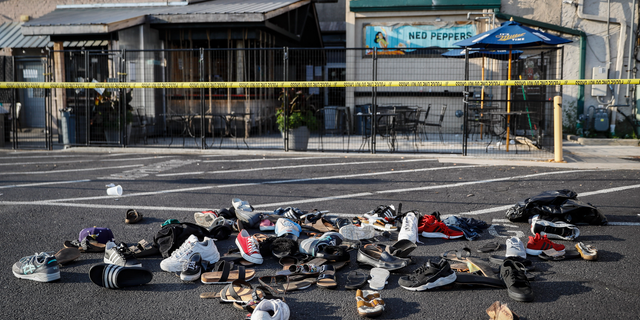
539,243
430,227
41,267
192,268
205,218
120,255
554,230
248,246
271,309
409,230
515,248
207,249
515,278
430,275
246,213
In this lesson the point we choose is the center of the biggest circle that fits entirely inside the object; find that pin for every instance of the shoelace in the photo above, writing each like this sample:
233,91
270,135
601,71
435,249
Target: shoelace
34,258
252,243
189,265
183,250
418,272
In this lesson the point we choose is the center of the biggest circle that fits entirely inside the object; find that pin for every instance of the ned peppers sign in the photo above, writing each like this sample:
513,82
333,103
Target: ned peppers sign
400,38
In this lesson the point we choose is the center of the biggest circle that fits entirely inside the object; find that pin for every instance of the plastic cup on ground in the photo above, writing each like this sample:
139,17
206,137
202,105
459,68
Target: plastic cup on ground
115,191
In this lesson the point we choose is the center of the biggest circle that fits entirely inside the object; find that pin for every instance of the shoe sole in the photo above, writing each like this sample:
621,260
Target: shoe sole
438,283
248,257
190,278
534,252
585,254
226,282
40,277
438,235
355,234
519,297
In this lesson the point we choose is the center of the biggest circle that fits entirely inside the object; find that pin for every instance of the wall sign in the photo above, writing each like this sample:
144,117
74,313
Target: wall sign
393,38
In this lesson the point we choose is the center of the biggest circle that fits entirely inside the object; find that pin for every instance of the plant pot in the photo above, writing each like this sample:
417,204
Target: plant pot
112,135
298,138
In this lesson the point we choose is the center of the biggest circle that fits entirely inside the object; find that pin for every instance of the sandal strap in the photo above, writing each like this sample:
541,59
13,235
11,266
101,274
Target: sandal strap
241,284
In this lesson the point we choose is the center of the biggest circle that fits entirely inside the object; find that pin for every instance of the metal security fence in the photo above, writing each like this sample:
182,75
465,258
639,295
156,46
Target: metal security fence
368,119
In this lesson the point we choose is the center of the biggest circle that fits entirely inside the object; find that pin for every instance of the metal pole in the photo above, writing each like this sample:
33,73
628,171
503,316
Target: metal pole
557,128
465,102
374,101
202,101
285,101
122,103
87,104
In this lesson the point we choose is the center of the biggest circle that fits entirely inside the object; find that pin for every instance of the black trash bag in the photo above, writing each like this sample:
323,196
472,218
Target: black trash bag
557,205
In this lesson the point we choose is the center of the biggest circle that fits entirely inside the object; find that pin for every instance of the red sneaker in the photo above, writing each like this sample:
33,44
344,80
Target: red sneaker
248,246
537,244
432,228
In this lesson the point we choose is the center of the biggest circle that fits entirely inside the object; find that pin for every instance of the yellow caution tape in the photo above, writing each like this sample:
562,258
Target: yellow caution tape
307,84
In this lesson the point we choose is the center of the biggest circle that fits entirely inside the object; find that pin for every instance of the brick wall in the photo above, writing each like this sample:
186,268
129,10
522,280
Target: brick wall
11,10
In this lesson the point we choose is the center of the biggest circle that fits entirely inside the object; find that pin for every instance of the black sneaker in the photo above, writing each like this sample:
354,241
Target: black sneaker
120,255
515,278
192,270
430,275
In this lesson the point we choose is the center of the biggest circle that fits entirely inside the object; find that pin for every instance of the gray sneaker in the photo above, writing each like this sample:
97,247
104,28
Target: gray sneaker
245,212
120,255
515,248
41,267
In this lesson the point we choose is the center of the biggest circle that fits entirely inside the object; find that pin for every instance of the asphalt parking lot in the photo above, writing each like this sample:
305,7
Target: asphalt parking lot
48,197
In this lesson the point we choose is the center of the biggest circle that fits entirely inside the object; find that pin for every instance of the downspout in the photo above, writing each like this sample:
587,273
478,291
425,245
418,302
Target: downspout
621,41
548,26
629,60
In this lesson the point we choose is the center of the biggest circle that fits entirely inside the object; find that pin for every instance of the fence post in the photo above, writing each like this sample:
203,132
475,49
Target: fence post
122,102
557,128
87,104
374,101
285,103
202,101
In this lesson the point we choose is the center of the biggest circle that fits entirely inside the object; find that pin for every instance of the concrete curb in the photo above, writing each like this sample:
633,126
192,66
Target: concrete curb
603,142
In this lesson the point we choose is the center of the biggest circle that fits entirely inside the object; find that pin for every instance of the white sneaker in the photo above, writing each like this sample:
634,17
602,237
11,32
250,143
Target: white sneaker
409,229
207,250
205,218
554,230
351,232
271,309
515,248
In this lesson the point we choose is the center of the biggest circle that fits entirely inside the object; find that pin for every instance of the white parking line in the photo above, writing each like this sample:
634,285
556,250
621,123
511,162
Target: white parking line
584,194
261,183
266,159
73,170
41,184
453,185
292,167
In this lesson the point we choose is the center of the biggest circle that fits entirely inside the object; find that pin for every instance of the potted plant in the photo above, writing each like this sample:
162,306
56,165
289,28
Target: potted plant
108,118
300,118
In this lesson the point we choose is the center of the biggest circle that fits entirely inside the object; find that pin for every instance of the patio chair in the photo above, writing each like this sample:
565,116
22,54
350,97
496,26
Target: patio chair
437,124
341,125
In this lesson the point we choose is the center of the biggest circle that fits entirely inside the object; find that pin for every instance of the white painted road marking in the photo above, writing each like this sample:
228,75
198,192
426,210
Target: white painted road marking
453,185
74,170
291,167
266,159
41,184
259,183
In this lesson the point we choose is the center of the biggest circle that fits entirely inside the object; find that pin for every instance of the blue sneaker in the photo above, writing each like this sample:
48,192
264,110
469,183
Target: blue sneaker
40,267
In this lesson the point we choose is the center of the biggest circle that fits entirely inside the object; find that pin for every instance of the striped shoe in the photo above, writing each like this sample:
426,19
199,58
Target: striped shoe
539,243
114,277
120,255
430,227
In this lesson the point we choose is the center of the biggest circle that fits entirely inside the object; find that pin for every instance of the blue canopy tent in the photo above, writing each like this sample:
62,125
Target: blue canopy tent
510,35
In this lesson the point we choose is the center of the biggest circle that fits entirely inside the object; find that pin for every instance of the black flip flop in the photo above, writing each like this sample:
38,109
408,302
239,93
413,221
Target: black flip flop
356,279
489,247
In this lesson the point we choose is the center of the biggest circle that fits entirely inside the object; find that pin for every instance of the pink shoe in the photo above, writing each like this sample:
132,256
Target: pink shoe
248,246
267,225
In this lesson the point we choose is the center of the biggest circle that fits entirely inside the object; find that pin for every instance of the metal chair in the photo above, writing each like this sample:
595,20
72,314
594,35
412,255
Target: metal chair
342,125
437,124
